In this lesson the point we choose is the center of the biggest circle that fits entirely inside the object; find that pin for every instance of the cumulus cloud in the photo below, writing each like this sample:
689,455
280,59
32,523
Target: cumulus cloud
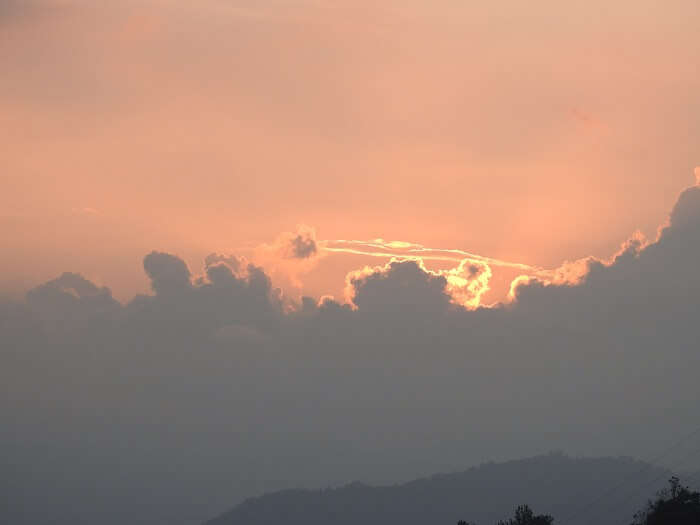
468,282
303,244
232,261
232,291
216,374
405,283
289,257
666,265
399,285
71,298
300,244
168,273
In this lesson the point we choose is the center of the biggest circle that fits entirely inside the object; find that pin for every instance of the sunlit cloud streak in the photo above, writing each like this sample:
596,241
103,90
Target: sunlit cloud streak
403,249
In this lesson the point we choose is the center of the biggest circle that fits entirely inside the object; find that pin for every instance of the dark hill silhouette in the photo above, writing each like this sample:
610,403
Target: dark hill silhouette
553,484
677,505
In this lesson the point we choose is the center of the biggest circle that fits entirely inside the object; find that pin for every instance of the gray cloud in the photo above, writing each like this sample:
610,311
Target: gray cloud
168,273
403,286
295,245
231,261
214,378
70,301
303,245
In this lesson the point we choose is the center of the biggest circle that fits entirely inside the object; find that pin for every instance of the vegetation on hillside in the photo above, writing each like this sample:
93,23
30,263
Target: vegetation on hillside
676,505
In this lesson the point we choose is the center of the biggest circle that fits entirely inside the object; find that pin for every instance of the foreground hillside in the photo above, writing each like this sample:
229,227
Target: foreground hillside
555,484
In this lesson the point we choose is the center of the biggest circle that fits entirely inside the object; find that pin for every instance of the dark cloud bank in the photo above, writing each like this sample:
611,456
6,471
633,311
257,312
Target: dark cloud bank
171,408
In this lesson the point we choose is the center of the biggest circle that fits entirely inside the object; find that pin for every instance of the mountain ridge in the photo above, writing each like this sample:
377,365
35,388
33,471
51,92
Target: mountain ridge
554,484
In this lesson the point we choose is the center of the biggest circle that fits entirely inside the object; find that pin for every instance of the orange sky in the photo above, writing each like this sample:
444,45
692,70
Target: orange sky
529,133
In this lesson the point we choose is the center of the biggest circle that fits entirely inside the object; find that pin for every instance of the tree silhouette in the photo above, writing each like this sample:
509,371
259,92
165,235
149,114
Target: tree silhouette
676,505
525,516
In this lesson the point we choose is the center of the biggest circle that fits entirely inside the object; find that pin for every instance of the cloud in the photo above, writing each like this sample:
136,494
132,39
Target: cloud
640,303
234,333
389,249
232,261
232,291
685,216
407,283
405,286
289,257
467,283
464,287
295,245
71,299
218,375
168,273
303,244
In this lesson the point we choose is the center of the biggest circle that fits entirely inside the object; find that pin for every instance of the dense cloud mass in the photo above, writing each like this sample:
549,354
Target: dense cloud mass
407,282
216,387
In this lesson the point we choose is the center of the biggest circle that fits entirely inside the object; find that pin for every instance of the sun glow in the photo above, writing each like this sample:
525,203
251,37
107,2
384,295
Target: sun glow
467,283
402,248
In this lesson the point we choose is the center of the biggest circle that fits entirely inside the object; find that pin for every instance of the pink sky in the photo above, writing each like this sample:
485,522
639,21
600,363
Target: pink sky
535,134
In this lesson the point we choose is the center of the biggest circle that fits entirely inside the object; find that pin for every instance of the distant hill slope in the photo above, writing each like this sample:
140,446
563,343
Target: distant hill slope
553,484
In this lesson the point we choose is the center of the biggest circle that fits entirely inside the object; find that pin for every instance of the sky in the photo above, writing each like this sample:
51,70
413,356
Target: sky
256,245
534,134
